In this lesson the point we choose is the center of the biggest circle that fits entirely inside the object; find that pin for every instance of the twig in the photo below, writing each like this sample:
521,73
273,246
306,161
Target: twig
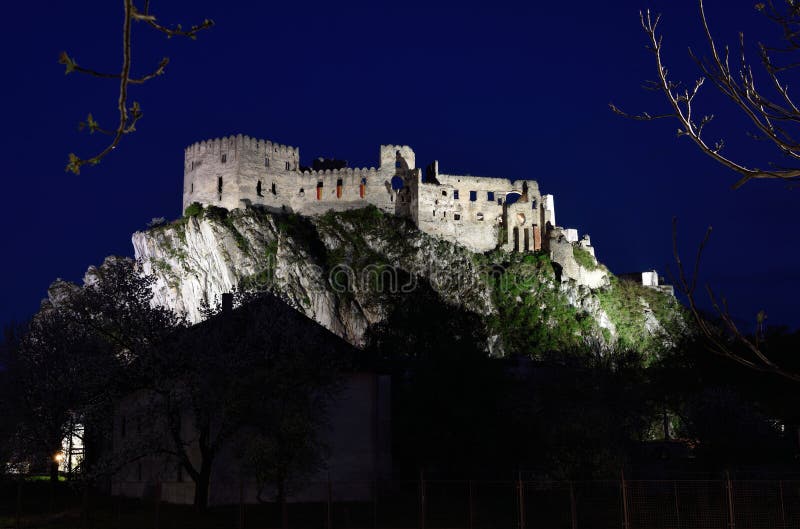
718,342
769,116
129,115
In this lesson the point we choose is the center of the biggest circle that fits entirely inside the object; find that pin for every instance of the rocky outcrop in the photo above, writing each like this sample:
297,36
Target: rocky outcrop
346,269
338,268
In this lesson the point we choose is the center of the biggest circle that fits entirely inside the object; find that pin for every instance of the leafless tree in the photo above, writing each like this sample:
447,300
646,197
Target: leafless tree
770,109
776,118
129,114
725,339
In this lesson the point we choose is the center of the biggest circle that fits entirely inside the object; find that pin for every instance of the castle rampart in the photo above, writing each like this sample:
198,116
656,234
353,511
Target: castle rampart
237,171
481,213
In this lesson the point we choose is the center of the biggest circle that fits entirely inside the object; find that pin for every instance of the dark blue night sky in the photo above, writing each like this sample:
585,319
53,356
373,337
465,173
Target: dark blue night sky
518,90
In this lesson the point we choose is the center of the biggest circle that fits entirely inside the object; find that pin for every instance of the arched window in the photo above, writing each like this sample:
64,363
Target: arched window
219,185
258,189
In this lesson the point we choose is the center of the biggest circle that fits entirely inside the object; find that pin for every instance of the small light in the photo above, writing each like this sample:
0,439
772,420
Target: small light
58,457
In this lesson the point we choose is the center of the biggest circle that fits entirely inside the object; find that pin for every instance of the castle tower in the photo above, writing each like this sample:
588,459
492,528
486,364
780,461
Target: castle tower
228,172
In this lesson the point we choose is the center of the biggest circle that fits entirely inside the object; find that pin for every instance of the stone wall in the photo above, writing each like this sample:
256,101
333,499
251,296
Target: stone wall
480,213
238,171
220,172
568,269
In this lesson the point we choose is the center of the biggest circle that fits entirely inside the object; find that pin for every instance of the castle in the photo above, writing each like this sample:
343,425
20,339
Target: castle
480,213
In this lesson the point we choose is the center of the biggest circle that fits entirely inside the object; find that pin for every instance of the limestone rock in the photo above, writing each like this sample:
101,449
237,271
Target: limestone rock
343,269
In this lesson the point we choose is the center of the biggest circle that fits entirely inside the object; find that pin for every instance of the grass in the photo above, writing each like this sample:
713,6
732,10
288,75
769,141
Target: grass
194,209
44,477
584,258
626,303
533,316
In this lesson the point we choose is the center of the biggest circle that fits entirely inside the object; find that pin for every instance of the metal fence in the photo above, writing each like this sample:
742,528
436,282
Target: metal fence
433,504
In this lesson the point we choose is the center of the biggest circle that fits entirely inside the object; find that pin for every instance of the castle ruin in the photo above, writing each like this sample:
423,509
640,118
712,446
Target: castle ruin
480,213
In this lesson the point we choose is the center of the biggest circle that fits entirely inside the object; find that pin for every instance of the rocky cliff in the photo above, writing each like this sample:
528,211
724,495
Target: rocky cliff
347,270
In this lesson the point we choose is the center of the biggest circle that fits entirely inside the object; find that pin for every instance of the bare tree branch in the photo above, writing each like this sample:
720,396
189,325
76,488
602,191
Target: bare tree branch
731,344
771,117
129,114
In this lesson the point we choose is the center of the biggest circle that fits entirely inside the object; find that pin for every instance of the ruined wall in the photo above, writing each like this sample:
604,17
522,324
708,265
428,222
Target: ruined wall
549,210
238,171
525,219
480,213
475,211
568,268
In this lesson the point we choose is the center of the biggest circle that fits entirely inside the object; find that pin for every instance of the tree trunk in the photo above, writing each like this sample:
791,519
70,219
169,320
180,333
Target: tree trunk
201,486
281,492
53,471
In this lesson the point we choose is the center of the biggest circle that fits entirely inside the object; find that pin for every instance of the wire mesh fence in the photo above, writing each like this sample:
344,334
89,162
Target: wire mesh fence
426,504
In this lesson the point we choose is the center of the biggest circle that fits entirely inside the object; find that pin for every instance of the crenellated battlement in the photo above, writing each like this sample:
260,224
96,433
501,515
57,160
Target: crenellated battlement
243,142
343,171
478,212
238,170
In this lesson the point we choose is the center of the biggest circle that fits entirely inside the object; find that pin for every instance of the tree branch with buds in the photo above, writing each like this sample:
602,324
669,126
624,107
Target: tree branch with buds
129,113
774,117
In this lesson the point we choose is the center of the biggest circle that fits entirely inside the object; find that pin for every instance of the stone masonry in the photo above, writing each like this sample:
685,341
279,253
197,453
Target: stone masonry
480,213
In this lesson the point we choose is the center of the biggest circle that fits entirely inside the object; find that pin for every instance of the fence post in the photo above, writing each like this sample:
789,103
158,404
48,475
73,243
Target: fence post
117,508
471,505
375,503
157,506
241,502
783,510
329,512
521,500
729,487
677,508
18,518
421,500
626,522
86,514
573,508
